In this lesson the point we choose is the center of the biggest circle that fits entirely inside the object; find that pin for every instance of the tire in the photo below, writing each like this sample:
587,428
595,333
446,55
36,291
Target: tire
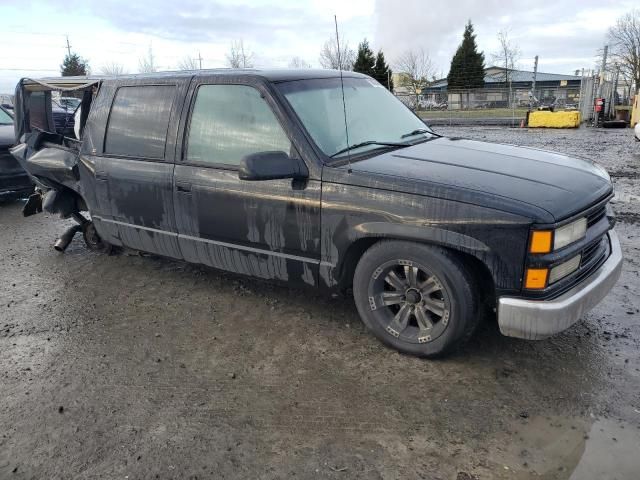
418,299
93,240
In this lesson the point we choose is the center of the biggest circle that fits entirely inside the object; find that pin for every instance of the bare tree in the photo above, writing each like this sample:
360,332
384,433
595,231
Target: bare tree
624,38
147,64
414,67
113,68
238,56
297,62
331,58
188,63
507,55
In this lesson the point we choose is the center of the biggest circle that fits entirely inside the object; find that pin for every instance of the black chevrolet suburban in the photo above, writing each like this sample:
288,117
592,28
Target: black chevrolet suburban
309,178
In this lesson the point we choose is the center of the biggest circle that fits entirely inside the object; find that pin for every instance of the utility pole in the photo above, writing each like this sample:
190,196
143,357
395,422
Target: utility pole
602,70
533,84
581,95
68,46
200,59
535,74
612,110
600,86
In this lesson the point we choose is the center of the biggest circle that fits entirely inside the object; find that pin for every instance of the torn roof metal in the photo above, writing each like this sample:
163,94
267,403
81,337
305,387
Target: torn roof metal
65,84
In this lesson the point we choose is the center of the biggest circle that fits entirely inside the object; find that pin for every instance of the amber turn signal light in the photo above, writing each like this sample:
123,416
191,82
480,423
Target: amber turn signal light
540,241
536,278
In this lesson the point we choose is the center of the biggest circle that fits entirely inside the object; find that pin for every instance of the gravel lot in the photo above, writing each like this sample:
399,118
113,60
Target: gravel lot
131,366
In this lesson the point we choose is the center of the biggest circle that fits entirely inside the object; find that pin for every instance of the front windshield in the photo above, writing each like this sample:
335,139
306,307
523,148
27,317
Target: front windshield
373,114
5,118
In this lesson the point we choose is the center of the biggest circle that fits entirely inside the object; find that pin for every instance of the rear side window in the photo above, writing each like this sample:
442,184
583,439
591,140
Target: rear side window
231,121
139,120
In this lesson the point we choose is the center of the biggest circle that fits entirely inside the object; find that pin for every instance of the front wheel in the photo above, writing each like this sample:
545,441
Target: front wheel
416,298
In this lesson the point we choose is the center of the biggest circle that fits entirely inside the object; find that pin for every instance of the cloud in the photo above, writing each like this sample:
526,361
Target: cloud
566,35
571,30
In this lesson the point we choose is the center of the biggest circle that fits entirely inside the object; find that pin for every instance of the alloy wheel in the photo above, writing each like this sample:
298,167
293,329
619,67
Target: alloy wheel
409,301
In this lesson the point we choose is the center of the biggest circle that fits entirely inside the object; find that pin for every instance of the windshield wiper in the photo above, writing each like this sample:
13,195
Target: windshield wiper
369,142
418,132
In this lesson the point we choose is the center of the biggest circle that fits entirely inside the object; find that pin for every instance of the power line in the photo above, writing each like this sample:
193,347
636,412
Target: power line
27,69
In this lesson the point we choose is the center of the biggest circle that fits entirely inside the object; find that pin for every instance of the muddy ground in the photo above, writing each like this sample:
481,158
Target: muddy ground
132,366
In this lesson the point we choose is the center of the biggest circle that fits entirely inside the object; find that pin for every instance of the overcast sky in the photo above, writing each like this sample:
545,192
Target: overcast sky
565,34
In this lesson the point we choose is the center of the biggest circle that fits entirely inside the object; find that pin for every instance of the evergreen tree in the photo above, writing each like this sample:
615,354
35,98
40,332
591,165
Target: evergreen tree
467,65
382,72
365,60
74,65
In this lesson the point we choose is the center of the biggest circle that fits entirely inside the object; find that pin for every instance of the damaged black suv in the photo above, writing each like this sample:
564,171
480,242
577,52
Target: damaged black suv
314,179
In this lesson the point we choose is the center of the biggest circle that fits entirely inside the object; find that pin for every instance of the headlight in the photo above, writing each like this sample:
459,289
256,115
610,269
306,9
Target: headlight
570,233
564,269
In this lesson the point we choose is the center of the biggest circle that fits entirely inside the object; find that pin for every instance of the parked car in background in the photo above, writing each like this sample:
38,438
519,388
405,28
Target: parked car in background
6,101
253,172
14,181
70,103
63,110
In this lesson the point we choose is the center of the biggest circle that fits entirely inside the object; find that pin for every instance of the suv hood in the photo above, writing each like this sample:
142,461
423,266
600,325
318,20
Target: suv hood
560,185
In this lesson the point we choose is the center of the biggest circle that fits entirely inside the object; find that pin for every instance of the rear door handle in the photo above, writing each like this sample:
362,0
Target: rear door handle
183,187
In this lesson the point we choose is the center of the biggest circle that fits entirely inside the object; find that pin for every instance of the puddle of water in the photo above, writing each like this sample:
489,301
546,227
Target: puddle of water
574,449
607,459
547,446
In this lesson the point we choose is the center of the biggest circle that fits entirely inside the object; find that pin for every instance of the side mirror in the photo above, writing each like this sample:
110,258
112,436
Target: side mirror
271,166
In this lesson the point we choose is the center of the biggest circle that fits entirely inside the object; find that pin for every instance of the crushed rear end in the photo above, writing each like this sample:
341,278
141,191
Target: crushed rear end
50,151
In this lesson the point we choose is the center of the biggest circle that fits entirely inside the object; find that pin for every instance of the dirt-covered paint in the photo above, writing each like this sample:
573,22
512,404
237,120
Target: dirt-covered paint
129,365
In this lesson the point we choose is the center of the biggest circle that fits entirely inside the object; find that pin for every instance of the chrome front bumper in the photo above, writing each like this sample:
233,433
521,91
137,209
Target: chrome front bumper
538,319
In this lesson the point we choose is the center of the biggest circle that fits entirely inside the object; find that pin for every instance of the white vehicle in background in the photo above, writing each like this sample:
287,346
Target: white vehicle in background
637,131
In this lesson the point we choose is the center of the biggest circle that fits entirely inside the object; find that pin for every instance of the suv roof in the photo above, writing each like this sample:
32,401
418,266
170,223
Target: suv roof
272,75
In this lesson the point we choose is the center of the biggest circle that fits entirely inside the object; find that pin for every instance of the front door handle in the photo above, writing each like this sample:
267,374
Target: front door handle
183,187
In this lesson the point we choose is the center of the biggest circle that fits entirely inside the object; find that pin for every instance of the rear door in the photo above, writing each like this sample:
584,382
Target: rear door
138,164
268,229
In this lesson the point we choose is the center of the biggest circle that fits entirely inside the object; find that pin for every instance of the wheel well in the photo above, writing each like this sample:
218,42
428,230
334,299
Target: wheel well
351,259
64,201
482,277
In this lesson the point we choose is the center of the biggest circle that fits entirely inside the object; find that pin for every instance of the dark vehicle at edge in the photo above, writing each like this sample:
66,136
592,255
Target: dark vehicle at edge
254,172
14,181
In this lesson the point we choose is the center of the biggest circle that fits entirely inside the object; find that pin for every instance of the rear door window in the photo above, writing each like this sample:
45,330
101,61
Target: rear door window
229,122
139,120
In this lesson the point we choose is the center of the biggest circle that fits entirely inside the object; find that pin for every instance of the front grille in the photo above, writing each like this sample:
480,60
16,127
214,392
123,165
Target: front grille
592,255
591,251
592,260
595,216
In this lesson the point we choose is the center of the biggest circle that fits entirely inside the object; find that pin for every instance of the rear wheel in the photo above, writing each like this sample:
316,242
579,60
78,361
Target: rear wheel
416,298
93,240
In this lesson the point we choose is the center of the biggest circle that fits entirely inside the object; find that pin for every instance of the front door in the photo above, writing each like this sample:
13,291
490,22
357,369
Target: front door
268,229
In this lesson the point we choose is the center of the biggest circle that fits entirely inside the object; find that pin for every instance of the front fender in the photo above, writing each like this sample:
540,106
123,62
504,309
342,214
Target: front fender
354,216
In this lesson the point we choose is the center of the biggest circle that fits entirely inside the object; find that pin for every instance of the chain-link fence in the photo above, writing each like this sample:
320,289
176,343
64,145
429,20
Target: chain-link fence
502,106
